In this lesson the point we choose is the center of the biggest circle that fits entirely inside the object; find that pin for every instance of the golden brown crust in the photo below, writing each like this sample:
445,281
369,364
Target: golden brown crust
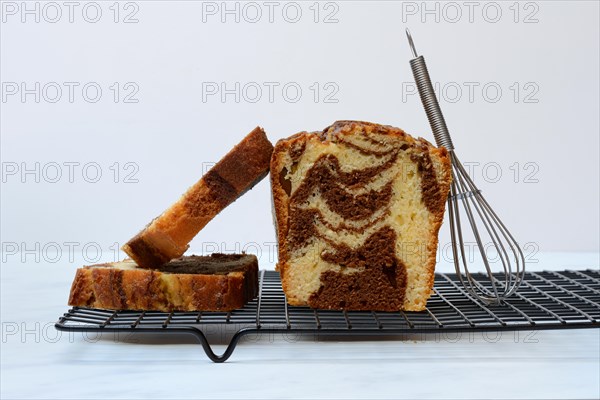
168,235
106,286
434,196
280,201
444,186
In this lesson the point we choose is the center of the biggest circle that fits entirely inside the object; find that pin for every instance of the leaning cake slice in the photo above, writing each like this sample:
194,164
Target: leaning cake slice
358,208
219,282
168,235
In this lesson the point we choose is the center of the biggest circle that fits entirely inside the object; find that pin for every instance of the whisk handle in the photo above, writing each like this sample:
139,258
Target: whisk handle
430,103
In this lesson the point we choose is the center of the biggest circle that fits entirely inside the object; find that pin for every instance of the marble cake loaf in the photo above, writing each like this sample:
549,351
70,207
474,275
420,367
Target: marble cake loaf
219,282
358,208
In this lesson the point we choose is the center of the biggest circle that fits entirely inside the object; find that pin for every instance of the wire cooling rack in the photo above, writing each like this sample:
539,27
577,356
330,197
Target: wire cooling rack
546,300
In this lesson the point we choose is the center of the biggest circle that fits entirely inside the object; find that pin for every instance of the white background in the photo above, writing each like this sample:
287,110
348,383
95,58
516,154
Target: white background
547,132
171,135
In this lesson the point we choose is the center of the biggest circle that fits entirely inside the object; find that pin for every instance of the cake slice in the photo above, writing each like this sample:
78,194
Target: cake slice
168,235
220,282
358,208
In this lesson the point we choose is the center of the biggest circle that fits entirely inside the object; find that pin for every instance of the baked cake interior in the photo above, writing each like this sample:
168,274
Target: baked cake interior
364,206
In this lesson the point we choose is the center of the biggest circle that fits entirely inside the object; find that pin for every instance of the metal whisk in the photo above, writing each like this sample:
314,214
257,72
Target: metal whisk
463,192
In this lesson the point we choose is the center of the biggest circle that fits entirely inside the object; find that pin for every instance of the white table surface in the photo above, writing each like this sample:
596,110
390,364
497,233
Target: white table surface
39,362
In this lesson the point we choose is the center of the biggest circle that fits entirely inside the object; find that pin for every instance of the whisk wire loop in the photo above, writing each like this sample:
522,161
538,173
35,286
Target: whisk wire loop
465,198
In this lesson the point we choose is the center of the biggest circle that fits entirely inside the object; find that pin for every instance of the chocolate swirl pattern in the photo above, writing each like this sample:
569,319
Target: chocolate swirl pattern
375,258
347,201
